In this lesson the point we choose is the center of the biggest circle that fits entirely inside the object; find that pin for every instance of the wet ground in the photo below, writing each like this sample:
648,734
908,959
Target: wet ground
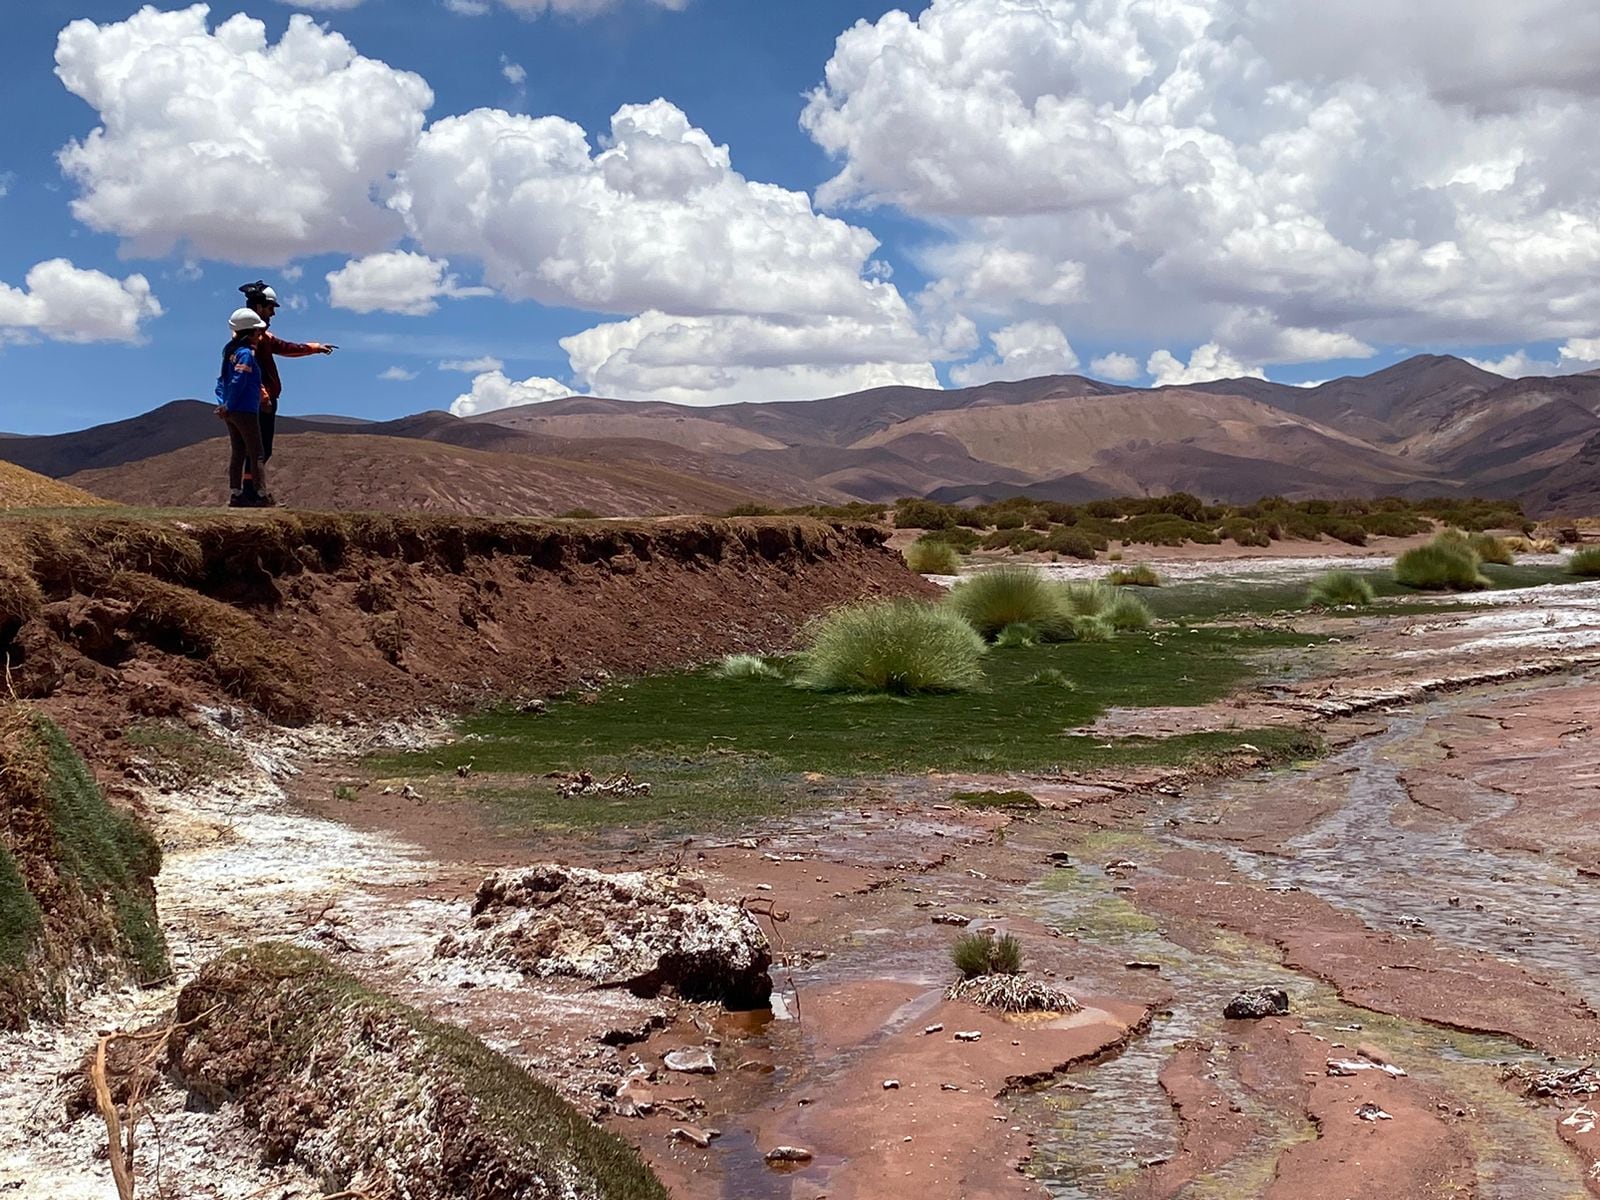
1423,894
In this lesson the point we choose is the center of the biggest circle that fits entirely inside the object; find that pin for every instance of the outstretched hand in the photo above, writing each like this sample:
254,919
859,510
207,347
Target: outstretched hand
326,348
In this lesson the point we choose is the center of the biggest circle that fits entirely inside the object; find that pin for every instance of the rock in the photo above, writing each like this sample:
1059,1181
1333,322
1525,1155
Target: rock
933,1029
1344,1066
950,919
970,1035
890,1085
691,1060
692,1134
1256,1003
788,1154
1371,1112
634,1098
1139,964
643,930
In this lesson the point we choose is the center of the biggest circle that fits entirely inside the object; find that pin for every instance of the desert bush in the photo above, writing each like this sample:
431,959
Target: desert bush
1160,529
746,666
1245,532
1490,548
932,558
1069,542
990,601
1018,636
899,646
1347,532
1585,563
1008,520
1444,564
1388,523
963,539
1018,541
1127,612
976,954
923,514
1140,575
588,514
1339,589
738,510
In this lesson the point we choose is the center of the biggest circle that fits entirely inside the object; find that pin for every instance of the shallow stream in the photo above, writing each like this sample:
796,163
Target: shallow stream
1371,857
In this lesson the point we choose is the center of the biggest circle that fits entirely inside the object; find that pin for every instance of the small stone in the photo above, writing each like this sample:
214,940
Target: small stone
970,1035
693,1134
950,919
948,1087
1371,1112
691,1060
1256,1003
1139,964
890,1085
788,1154
933,1029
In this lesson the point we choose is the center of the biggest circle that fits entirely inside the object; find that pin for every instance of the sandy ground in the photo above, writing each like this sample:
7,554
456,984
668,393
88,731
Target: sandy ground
1423,894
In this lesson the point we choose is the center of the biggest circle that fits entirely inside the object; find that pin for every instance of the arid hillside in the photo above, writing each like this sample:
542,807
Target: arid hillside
363,472
1432,425
21,488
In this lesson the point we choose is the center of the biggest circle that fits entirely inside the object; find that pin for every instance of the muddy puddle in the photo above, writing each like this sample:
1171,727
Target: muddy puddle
1374,853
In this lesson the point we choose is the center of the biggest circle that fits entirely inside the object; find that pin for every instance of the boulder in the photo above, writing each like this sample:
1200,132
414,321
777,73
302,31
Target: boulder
1256,1003
646,931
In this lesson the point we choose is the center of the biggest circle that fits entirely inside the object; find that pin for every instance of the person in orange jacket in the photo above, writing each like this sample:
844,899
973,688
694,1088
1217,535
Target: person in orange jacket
263,301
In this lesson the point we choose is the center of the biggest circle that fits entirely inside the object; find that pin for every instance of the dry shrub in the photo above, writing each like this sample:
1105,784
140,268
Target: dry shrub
933,558
1012,994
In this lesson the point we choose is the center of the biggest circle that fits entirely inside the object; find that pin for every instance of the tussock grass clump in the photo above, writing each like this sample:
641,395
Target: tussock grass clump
1011,596
1339,589
1585,563
979,954
1018,636
1141,575
1087,599
1491,549
746,666
927,557
899,646
1012,994
1446,564
1050,677
1126,613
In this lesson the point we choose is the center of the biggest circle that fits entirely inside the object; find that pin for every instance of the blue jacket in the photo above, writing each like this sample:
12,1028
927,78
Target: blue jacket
239,385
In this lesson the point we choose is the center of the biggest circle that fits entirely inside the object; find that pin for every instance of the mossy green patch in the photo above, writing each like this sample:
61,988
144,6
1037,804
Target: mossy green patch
1015,798
107,852
21,922
715,748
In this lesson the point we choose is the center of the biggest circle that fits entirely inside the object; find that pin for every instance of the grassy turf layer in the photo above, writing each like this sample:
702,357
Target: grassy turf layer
716,748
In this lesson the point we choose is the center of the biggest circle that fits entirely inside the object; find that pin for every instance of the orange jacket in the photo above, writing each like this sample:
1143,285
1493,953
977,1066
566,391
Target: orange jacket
270,345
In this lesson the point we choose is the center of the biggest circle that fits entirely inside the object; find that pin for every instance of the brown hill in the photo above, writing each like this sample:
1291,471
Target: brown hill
359,471
21,488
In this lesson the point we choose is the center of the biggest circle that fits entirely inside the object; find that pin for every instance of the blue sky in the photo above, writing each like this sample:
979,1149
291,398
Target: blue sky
1048,187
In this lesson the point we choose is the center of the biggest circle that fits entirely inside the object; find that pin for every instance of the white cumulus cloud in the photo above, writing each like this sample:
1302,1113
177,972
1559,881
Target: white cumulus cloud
1021,351
493,391
241,150
473,366
397,375
396,281
68,304
565,8
1117,367
1291,182
1205,364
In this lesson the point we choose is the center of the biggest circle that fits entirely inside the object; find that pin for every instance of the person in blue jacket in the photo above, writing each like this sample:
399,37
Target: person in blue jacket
239,397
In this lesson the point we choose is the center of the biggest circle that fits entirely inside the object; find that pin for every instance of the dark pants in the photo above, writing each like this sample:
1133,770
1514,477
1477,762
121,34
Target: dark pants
269,426
244,432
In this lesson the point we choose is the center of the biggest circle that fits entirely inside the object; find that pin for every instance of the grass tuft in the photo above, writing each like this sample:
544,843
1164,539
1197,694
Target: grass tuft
1050,677
1093,629
1015,798
746,666
1446,564
927,557
1141,575
1087,599
1491,549
977,954
1004,596
1017,636
902,646
1339,589
1127,613
1585,563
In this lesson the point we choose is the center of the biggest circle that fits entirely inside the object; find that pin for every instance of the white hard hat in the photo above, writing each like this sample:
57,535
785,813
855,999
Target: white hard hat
267,294
244,319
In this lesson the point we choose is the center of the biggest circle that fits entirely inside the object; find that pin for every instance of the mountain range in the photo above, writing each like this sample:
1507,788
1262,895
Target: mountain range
1431,425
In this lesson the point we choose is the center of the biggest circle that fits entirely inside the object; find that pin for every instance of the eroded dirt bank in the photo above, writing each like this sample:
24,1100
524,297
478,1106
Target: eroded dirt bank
334,617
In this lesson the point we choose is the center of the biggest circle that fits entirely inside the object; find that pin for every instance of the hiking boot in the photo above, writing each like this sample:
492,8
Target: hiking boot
238,500
265,500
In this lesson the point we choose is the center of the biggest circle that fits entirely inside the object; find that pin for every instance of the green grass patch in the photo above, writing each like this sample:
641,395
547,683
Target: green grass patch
976,954
747,666
1446,564
716,749
994,599
1141,575
1015,798
21,922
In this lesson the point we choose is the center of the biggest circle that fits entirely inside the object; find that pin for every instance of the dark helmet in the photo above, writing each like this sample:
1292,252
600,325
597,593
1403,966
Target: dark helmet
259,293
